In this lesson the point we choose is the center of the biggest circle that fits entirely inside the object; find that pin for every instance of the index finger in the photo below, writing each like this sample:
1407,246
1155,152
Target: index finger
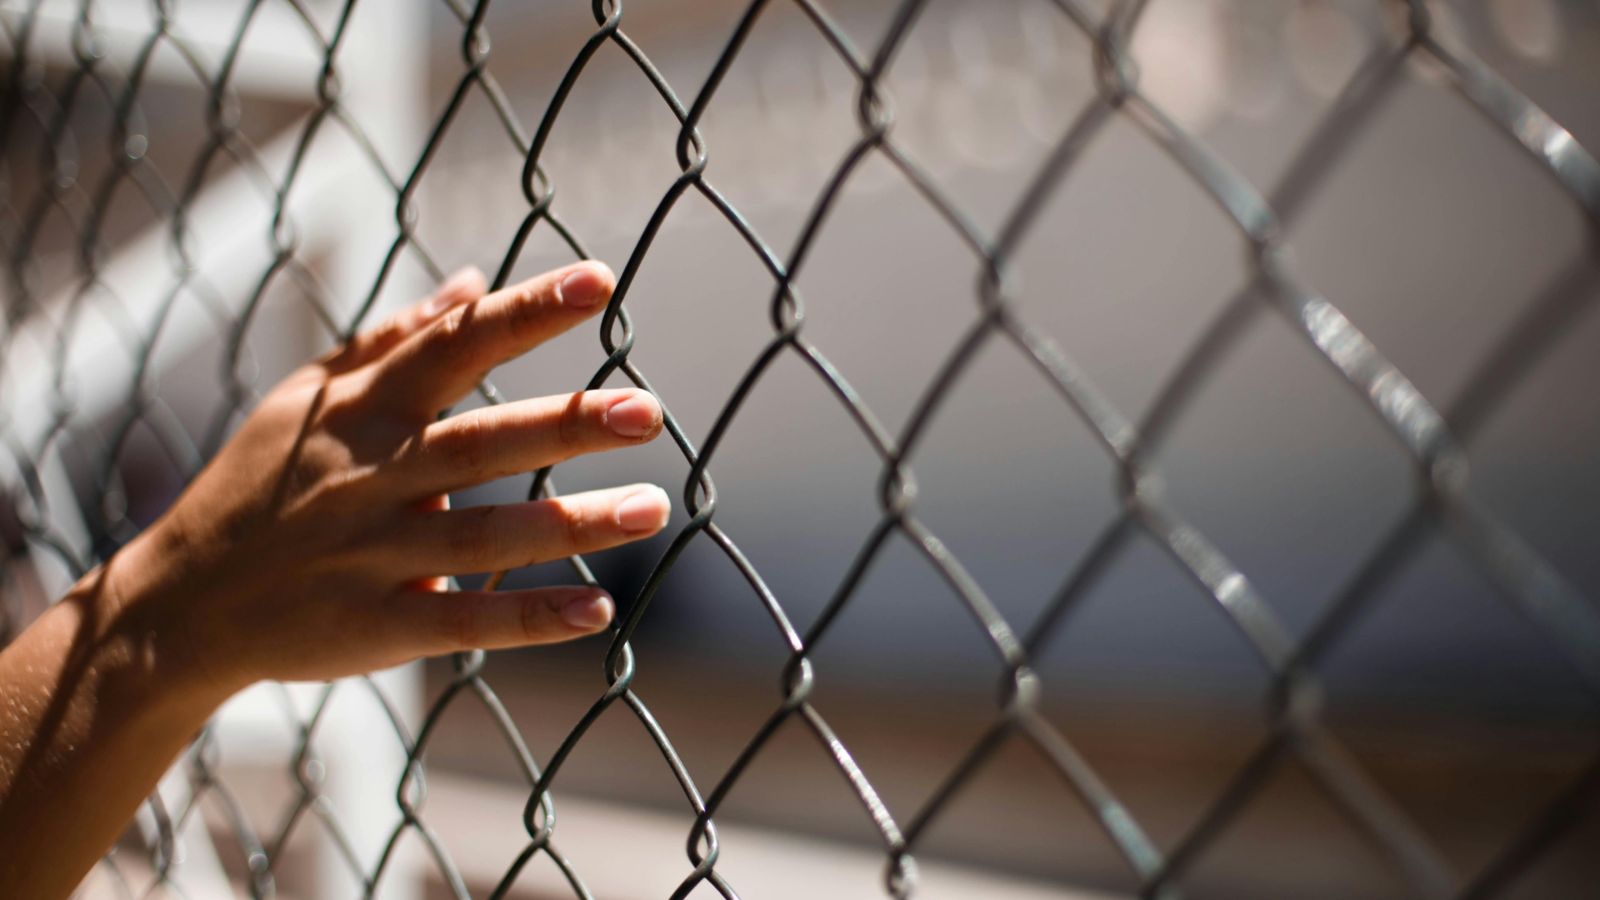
438,366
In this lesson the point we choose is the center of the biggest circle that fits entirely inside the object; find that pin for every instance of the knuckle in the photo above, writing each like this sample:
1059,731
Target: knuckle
458,540
460,620
574,524
416,448
573,423
346,408
344,487
321,478
448,337
466,444
453,324
532,619
524,310
473,540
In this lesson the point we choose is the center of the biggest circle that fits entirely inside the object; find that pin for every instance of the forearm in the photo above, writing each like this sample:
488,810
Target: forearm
92,712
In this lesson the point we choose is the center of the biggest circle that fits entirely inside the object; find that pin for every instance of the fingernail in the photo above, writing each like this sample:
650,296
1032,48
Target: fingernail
634,416
585,286
644,510
589,611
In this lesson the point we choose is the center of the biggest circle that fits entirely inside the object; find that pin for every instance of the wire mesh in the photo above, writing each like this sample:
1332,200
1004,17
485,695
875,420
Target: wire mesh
1433,439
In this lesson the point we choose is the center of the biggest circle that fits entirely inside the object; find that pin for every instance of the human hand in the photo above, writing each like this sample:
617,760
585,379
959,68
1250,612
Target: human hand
316,543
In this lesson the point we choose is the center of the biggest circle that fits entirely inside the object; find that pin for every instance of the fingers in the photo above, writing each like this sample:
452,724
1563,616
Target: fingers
464,286
428,623
438,366
494,442
495,538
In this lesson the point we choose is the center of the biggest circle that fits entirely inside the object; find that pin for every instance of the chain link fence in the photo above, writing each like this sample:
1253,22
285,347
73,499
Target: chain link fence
89,99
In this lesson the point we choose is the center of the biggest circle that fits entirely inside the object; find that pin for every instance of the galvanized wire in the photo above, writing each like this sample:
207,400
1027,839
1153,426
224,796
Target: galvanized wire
1434,440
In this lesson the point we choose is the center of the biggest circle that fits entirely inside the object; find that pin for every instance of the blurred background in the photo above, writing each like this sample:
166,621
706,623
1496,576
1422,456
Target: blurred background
1471,270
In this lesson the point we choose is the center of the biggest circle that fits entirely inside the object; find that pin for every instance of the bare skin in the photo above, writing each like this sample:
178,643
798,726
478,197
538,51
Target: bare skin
315,546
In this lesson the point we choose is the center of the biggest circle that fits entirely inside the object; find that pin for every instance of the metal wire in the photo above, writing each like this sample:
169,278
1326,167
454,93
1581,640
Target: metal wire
1434,440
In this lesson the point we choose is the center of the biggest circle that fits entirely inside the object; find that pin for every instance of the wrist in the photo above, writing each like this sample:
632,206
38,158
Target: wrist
147,641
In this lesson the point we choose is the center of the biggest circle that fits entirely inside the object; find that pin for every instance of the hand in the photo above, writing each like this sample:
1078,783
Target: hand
314,545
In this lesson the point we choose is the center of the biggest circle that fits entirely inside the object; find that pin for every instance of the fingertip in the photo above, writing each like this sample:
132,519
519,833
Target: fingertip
589,611
645,510
636,414
586,284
